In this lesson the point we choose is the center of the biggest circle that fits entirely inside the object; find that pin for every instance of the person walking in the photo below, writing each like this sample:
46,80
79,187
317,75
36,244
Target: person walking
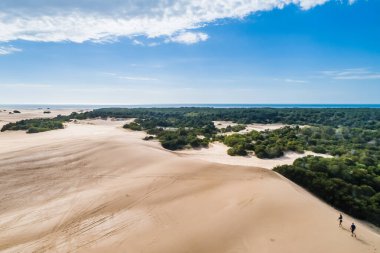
353,228
340,220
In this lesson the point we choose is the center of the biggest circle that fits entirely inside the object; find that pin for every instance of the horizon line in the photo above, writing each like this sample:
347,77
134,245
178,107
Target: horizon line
193,104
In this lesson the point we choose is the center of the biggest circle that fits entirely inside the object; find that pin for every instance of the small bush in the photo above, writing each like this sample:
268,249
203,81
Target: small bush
133,126
148,138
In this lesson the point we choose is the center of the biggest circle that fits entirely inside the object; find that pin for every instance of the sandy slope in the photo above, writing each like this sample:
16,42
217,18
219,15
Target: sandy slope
98,188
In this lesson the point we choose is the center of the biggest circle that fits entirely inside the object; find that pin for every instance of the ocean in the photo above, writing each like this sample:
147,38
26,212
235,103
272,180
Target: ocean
74,106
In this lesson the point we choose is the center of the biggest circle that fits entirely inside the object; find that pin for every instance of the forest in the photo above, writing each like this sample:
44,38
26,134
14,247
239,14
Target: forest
319,139
199,116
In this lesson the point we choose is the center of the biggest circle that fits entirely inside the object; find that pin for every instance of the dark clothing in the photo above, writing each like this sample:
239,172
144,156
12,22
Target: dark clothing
340,220
353,227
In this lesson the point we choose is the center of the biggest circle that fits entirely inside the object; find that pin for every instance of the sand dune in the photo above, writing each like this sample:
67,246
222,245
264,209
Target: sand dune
217,153
99,188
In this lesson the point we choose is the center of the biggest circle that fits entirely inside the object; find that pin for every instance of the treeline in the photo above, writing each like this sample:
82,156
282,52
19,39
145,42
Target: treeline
368,118
319,139
194,117
351,184
178,126
199,122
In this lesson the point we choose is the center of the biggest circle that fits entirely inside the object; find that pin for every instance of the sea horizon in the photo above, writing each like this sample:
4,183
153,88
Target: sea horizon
214,105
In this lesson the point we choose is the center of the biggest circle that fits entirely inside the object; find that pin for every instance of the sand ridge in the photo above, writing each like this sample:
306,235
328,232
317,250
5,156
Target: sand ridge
100,188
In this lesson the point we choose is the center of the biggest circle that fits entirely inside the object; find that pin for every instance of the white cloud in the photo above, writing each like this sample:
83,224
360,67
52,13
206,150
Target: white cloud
137,42
25,85
4,50
138,78
351,74
291,81
132,78
105,21
189,37
288,80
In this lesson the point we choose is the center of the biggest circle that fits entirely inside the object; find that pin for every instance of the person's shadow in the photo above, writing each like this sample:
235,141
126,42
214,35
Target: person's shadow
360,240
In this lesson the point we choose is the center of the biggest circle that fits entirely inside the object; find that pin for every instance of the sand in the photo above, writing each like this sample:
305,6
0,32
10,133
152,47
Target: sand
5,117
100,188
217,153
250,127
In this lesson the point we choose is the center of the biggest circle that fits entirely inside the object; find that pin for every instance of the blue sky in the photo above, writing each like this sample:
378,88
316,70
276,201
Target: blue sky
148,52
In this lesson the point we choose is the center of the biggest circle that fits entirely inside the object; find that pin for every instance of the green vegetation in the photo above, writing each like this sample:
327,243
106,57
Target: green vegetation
236,128
180,138
148,138
35,125
133,126
196,117
319,139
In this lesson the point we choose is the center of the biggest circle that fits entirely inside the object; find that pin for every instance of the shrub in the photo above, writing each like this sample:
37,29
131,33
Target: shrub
133,126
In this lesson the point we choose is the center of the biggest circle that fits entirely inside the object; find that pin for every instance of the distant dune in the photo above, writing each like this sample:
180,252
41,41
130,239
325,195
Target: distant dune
99,188
7,115
249,127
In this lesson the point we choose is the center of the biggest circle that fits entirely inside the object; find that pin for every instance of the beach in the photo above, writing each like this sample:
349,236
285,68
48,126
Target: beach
96,187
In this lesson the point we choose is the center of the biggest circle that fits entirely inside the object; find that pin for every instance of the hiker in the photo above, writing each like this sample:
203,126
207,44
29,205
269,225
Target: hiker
340,220
353,227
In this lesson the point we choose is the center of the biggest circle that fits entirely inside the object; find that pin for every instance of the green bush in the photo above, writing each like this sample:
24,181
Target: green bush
133,126
237,150
181,138
34,125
